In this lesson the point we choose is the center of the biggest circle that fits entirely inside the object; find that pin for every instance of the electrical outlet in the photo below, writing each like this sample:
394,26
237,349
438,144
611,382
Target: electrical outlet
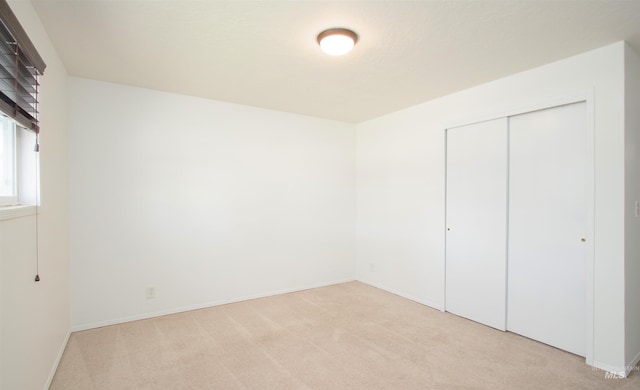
151,292
372,266
637,208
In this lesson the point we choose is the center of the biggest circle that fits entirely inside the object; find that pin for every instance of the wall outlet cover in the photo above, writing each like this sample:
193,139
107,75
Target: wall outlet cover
151,292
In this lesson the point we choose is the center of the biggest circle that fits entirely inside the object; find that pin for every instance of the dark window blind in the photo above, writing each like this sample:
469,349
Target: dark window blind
20,68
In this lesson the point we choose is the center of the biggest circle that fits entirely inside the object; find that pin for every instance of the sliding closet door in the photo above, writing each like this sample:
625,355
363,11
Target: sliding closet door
476,217
547,220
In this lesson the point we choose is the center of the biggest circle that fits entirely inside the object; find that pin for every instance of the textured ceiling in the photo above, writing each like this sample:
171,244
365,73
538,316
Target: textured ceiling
264,53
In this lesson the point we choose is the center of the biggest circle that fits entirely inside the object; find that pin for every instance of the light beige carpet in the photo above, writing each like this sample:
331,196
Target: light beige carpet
347,336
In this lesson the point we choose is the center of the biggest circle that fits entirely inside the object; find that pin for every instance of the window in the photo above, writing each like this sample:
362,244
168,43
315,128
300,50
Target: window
20,69
18,165
8,174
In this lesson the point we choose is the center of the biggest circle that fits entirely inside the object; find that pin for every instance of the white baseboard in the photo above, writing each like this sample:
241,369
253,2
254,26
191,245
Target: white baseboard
432,305
620,372
632,364
143,316
54,368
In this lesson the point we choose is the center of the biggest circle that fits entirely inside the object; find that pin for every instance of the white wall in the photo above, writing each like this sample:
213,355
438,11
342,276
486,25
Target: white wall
209,202
35,317
400,184
632,194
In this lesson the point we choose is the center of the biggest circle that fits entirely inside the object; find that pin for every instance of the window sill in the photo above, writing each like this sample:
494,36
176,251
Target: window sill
10,212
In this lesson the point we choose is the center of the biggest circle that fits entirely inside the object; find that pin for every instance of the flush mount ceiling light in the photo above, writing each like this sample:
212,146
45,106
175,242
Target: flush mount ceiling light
337,41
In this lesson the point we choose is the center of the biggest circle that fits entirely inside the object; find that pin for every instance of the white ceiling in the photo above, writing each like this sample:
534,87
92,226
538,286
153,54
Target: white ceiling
264,53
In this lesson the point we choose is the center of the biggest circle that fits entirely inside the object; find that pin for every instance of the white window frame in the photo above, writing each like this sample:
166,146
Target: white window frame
9,163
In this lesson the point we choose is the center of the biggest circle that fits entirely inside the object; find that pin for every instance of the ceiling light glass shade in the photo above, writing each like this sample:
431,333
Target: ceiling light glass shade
337,41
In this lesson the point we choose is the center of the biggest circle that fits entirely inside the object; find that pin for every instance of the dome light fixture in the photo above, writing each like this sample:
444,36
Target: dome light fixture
337,41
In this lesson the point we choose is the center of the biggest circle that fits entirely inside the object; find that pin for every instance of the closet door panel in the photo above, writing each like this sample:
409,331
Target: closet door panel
547,219
476,217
